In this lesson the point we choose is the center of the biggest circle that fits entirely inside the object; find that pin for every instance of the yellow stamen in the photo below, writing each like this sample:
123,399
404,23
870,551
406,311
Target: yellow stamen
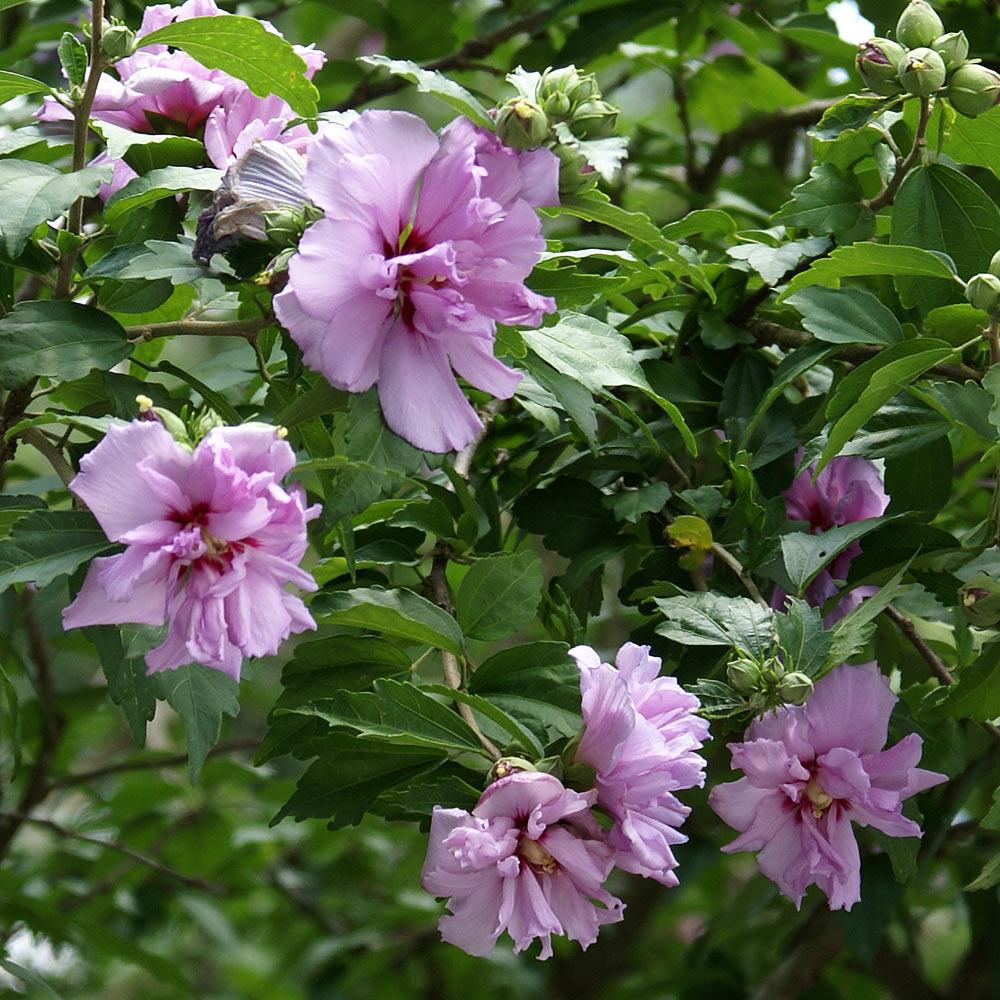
818,796
537,856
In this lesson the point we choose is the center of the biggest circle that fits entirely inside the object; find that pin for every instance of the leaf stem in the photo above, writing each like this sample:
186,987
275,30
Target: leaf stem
52,454
888,193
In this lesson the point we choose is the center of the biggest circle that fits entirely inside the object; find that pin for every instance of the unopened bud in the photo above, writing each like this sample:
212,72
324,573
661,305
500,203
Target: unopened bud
878,63
744,675
953,48
568,80
994,267
284,226
922,72
557,106
973,89
983,292
206,421
918,25
576,175
794,688
117,41
169,419
506,766
522,124
980,599
594,119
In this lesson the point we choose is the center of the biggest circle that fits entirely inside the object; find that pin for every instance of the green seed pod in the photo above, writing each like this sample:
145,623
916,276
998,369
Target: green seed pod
117,42
983,292
522,124
744,675
795,688
953,48
973,89
594,119
918,25
878,61
922,72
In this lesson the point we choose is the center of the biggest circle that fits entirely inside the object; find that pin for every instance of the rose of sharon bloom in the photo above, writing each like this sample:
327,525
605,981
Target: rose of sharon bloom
849,489
641,736
529,859
158,90
424,247
812,770
211,538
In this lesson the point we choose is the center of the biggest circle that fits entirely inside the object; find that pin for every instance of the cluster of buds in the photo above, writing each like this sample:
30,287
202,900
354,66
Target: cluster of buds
189,426
983,290
565,108
924,60
766,684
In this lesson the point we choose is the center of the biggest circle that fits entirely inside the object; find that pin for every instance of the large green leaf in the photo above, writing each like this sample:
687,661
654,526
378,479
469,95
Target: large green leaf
499,595
161,183
830,201
716,620
865,259
34,193
244,48
975,141
805,554
977,693
46,544
939,208
13,85
846,316
400,612
349,776
58,339
201,696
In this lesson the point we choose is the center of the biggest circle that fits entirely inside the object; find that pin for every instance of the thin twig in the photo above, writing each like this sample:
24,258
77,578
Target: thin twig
993,336
737,567
52,454
246,328
888,193
67,833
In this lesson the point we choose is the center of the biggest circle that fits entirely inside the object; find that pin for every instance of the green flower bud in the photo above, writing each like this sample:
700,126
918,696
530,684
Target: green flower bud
522,124
973,89
576,175
983,292
507,766
744,675
994,267
953,48
569,81
594,119
922,72
980,599
794,688
284,225
207,420
557,106
173,423
117,41
878,63
918,25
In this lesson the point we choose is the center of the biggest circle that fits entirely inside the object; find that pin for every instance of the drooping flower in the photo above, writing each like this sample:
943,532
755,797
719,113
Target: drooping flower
641,736
424,247
810,772
849,489
529,859
162,91
211,539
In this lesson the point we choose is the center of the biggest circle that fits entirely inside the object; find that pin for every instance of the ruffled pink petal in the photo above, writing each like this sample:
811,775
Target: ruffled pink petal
850,707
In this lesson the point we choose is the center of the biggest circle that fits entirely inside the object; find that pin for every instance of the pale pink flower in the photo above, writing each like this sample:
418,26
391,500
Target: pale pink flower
811,771
211,539
641,736
424,247
529,860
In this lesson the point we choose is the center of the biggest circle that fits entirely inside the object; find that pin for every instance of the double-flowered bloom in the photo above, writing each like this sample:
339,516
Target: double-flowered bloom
641,736
159,90
211,539
810,772
424,247
849,489
529,859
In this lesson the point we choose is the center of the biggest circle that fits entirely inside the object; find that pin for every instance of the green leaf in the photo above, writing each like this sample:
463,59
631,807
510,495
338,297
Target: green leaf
144,152
201,696
14,736
401,713
30,978
162,183
350,774
939,208
437,84
243,47
828,202
805,554
716,620
571,514
73,57
804,641
318,401
13,85
124,667
849,115
418,800
976,695
878,380
499,595
58,339
988,877
772,263
13,508
975,141
536,683
34,193
630,505
866,259
846,316
399,612
47,544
